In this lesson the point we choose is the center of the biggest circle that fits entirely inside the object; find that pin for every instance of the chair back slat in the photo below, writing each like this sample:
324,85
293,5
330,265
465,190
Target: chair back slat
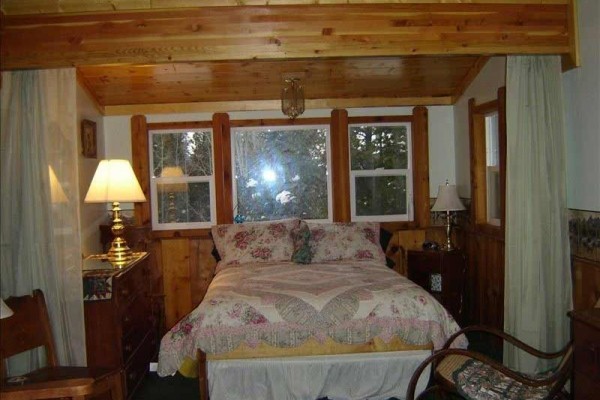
28,328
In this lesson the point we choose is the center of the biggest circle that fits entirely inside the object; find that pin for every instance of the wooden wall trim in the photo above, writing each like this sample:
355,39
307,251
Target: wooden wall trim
284,32
340,161
247,123
223,168
156,126
140,163
420,152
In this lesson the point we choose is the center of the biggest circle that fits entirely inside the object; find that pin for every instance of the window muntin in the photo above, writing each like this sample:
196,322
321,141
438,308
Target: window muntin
182,183
492,147
281,172
380,172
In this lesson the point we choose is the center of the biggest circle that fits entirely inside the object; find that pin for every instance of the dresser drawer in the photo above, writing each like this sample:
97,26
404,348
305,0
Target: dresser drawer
587,351
137,367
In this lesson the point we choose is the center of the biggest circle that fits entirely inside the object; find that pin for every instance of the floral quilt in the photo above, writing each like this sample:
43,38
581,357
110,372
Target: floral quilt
286,304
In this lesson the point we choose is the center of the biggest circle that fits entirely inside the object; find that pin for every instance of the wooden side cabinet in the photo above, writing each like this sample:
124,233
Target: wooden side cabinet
121,328
441,273
586,341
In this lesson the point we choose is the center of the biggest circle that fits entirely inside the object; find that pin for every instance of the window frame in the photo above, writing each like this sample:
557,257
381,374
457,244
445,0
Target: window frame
408,172
339,155
153,184
282,125
478,160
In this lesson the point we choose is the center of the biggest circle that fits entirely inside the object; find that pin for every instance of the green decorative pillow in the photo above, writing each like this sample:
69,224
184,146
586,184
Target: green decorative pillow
301,237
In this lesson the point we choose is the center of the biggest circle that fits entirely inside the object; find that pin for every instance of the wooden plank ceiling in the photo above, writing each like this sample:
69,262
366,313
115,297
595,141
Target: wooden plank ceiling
155,56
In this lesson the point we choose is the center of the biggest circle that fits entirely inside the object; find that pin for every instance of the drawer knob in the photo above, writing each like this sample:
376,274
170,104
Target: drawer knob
132,375
124,292
128,347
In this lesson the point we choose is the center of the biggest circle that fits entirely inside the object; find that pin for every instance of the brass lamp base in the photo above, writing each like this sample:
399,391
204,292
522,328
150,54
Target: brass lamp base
448,246
119,253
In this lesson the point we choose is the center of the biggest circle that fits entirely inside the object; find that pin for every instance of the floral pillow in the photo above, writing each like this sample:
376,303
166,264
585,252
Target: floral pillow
345,241
255,241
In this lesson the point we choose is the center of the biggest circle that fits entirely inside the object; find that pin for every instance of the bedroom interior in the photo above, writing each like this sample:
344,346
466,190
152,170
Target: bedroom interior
140,69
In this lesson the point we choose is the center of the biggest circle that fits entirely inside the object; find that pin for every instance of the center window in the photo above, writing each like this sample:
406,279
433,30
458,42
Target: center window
380,172
281,172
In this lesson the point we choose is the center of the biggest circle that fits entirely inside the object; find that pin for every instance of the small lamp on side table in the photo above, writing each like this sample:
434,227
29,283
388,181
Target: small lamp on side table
447,201
115,181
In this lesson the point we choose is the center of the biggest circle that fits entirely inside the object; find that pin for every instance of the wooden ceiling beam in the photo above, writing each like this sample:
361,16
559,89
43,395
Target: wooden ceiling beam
23,7
283,32
260,105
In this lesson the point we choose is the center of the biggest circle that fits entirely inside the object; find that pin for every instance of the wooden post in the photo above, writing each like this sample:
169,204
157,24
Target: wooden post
340,166
420,153
223,168
203,375
140,160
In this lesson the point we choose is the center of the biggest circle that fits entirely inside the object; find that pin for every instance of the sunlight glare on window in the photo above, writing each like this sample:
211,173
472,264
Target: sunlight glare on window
269,175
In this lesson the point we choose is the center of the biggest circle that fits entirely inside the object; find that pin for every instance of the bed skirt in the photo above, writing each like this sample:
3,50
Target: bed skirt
348,376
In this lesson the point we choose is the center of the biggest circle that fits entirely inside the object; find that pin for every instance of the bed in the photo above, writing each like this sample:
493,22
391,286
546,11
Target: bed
305,311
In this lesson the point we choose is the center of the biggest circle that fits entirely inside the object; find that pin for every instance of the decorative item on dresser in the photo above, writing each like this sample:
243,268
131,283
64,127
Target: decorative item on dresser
441,273
586,336
120,322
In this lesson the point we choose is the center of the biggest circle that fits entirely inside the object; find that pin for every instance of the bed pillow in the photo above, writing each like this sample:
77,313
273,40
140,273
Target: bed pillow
345,241
255,241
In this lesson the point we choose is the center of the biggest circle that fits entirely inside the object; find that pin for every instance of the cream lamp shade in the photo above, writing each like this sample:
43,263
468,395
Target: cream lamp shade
114,180
447,201
5,310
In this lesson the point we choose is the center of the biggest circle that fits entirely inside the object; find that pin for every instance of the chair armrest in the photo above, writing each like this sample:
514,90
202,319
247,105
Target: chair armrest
508,338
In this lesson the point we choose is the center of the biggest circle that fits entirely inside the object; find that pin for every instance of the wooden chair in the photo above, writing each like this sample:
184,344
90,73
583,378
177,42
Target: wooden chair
472,375
28,328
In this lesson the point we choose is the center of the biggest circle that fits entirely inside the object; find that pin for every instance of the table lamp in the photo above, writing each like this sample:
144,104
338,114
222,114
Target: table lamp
447,201
114,182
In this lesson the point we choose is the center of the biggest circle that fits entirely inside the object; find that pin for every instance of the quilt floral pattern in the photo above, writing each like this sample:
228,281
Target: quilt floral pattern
283,305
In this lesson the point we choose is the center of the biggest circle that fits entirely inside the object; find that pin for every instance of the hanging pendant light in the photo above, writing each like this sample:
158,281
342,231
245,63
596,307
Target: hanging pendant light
292,98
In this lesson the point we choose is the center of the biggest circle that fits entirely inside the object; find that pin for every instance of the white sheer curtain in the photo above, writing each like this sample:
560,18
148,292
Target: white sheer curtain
538,280
39,204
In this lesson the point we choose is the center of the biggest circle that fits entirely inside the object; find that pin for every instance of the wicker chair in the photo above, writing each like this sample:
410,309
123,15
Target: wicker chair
472,375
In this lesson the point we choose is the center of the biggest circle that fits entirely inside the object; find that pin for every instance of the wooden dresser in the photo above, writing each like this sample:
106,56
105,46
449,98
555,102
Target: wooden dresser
120,323
586,336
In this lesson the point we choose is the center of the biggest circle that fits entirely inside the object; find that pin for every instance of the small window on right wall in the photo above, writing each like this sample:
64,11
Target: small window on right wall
488,161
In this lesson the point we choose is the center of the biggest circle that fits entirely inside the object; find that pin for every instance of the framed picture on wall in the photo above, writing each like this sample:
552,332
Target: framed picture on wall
88,138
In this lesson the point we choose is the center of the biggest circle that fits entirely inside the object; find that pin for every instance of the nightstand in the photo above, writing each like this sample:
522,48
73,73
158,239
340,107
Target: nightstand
121,329
441,273
586,341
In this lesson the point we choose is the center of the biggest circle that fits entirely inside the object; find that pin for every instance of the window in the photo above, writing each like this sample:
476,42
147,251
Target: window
380,172
182,181
280,172
488,155
492,168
